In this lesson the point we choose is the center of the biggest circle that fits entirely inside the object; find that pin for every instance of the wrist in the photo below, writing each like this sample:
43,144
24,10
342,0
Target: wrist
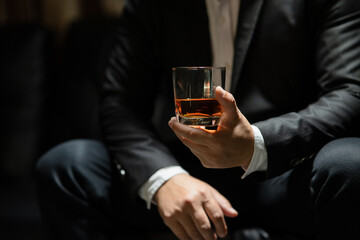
258,160
148,190
163,187
250,150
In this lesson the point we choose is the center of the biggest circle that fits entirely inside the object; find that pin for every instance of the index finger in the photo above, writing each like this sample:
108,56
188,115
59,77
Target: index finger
196,135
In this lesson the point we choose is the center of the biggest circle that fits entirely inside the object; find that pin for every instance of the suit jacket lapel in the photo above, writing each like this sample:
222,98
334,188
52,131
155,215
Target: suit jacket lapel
248,16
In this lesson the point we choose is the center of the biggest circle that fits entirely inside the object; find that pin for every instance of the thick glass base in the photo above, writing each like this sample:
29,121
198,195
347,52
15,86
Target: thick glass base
199,120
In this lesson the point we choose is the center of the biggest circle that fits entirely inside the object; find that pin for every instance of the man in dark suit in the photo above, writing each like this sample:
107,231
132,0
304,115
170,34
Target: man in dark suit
295,88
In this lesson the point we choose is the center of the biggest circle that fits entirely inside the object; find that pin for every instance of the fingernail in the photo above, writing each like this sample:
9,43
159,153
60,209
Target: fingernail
171,123
222,235
222,91
233,211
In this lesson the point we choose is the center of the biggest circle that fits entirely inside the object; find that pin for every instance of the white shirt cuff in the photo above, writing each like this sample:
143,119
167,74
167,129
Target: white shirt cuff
259,159
148,190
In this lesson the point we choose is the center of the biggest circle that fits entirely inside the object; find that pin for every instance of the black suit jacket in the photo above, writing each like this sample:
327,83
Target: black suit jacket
296,76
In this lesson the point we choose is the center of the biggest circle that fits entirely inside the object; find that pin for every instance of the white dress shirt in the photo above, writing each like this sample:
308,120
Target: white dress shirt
223,15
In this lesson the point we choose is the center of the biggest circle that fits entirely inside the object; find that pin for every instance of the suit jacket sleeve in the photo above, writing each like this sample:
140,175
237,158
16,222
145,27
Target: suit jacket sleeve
297,135
127,101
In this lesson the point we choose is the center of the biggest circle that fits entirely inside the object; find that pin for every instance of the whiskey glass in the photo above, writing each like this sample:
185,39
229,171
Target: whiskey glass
194,93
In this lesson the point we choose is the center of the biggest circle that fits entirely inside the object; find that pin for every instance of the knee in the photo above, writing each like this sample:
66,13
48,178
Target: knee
340,157
65,157
337,167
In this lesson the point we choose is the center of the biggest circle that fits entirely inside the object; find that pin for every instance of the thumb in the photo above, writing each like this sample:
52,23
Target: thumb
226,101
225,205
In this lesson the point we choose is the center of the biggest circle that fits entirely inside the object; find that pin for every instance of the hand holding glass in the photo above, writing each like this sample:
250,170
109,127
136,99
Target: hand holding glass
194,92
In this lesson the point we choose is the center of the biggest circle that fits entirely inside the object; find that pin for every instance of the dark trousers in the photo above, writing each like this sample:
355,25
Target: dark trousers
81,195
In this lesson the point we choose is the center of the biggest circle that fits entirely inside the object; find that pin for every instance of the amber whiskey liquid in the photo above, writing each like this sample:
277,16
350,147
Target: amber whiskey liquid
198,111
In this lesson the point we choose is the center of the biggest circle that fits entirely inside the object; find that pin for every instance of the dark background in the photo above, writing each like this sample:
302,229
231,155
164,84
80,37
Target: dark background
52,54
